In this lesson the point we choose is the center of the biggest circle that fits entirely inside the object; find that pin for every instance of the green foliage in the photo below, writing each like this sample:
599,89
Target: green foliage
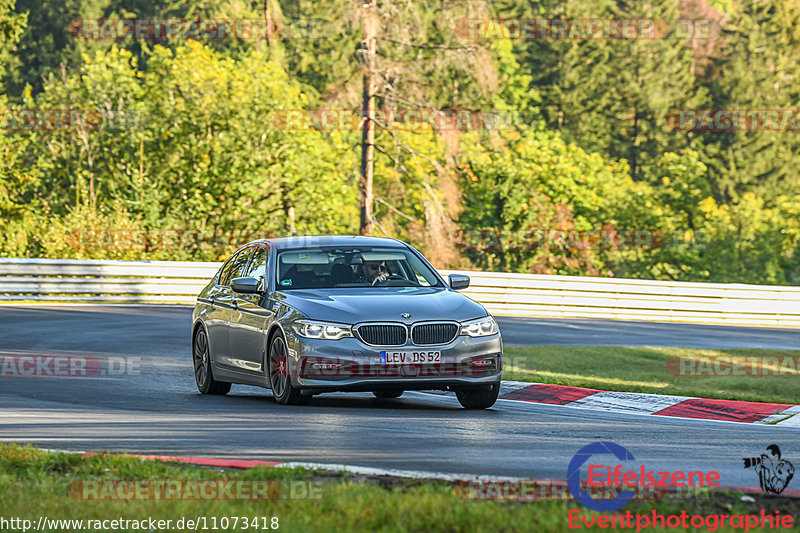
191,143
50,46
541,184
11,24
612,95
760,70
185,136
674,211
15,211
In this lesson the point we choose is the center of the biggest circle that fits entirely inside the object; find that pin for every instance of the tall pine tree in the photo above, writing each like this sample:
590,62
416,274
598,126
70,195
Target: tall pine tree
760,70
614,95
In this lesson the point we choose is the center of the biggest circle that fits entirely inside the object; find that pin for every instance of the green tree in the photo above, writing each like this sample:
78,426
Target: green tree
51,42
11,27
15,182
760,70
554,201
191,143
674,211
613,96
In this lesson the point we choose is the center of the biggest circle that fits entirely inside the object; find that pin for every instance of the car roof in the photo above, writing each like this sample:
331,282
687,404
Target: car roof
301,241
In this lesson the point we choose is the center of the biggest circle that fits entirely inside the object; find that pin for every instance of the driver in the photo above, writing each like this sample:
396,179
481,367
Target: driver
374,272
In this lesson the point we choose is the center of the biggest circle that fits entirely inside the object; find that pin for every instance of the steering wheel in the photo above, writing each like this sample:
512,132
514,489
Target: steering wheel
390,277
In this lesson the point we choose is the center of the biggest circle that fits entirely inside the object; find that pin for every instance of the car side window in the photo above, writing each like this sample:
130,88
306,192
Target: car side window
258,268
237,268
225,273
240,263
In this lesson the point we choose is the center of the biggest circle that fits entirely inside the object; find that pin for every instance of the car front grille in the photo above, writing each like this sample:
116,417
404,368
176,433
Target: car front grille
383,334
439,333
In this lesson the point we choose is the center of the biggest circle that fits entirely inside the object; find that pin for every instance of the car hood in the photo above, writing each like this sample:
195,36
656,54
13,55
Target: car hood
351,306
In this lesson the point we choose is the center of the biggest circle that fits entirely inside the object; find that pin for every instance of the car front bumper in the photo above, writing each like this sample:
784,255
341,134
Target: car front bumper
347,364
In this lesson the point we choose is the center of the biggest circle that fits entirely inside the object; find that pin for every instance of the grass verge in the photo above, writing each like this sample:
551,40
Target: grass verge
36,483
646,369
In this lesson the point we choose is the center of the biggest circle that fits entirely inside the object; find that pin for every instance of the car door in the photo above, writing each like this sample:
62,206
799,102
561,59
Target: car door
249,318
222,300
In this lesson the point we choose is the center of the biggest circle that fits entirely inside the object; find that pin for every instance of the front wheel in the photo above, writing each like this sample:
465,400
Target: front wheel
203,375
279,376
481,397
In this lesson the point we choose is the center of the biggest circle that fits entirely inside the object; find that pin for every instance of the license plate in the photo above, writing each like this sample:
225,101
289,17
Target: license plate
406,358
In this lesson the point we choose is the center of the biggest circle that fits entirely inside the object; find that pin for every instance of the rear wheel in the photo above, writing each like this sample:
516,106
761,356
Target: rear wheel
481,397
386,394
203,375
279,376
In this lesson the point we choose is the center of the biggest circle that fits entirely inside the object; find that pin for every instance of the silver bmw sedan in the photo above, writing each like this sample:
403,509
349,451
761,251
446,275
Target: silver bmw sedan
307,315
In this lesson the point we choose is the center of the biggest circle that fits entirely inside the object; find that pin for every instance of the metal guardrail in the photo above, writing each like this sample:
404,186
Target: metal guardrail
166,282
103,281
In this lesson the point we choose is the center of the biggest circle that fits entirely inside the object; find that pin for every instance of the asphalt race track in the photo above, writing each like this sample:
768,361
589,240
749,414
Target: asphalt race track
595,332
155,407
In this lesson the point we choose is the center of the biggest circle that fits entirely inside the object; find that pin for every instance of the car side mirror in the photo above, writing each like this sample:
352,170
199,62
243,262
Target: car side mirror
459,281
245,285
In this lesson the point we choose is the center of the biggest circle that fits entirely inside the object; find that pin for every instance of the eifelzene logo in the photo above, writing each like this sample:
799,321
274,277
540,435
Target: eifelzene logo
602,475
774,473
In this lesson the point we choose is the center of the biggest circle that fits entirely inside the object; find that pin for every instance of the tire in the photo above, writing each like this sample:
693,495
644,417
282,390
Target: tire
278,370
387,394
203,375
481,397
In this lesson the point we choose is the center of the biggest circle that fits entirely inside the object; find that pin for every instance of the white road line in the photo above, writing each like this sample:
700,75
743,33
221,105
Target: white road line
793,421
362,470
413,474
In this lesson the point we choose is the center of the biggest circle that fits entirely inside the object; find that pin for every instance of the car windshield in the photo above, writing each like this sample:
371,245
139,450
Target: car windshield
342,266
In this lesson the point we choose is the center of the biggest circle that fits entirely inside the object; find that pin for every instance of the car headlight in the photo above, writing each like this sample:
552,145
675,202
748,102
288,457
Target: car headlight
481,327
321,330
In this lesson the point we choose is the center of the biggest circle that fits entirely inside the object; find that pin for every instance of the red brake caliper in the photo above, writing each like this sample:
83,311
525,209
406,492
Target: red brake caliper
279,366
